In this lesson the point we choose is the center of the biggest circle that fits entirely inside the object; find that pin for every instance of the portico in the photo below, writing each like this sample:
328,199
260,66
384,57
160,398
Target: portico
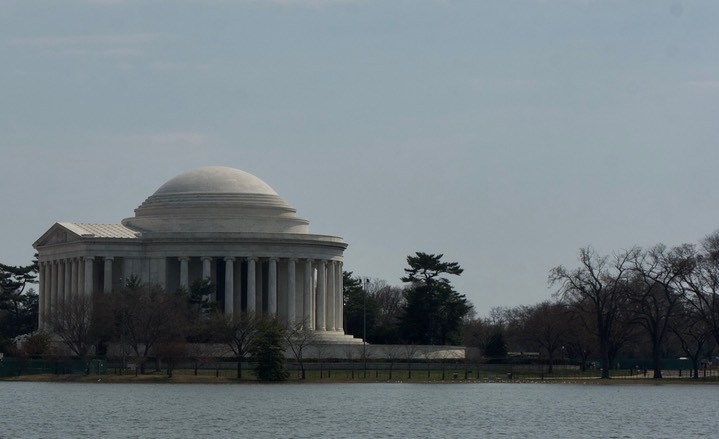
213,223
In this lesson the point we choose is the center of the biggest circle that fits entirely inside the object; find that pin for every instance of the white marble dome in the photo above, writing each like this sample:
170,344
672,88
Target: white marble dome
215,179
216,199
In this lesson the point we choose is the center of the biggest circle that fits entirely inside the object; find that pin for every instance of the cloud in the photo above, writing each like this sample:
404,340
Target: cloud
115,46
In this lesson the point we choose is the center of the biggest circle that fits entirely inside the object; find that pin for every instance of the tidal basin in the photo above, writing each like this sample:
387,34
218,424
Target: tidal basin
92,410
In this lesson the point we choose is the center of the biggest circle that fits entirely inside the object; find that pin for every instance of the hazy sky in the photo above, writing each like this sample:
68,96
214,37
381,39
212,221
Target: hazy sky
504,134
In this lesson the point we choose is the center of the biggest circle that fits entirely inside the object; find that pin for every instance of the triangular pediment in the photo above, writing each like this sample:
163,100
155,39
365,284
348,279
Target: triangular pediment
59,233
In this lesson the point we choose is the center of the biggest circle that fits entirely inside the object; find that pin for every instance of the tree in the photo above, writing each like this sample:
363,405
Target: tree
495,345
390,304
201,295
145,315
37,344
18,308
426,268
693,333
267,351
702,283
360,308
545,326
75,323
298,338
579,342
656,291
491,334
433,310
238,332
595,289
172,352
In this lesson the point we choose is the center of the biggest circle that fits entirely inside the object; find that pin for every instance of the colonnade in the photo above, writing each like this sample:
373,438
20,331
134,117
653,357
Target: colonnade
61,279
302,291
305,291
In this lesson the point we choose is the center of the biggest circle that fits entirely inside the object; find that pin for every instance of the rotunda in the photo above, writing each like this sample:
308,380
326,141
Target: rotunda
215,223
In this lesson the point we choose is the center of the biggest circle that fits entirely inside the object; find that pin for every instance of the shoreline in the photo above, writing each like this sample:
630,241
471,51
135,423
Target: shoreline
191,379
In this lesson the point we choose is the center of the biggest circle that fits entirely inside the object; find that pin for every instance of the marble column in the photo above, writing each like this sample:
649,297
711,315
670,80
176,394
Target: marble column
339,316
330,323
89,261
80,277
206,267
184,272
67,286
74,287
272,287
61,281
42,297
107,284
207,272
307,297
229,285
260,286
54,298
237,294
251,285
291,293
321,293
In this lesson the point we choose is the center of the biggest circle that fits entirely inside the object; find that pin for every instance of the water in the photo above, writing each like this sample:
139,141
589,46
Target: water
501,410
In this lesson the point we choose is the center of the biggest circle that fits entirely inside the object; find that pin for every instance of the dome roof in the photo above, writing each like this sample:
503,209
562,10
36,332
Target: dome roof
215,179
215,199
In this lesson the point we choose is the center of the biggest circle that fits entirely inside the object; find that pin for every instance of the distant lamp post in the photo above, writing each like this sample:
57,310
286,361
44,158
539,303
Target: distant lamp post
365,282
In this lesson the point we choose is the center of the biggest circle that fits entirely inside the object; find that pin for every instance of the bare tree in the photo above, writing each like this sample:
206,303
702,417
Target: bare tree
201,354
595,288
74,323
298,338
146,315
172,352
410,351
352,352
693,333
546,326
703,283
392,353
656,291
390,300
321,351
238,333
579,343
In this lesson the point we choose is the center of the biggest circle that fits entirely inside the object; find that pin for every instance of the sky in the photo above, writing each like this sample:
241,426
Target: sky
504,134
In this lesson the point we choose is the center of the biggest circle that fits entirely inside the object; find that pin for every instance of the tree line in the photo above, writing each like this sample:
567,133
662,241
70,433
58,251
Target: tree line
655,303
147,322
658,302
428,311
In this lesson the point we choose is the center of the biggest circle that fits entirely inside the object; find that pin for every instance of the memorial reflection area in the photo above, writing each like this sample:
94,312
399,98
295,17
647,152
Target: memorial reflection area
213,223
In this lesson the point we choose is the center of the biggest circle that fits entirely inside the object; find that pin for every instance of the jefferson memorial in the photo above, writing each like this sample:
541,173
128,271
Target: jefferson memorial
212,222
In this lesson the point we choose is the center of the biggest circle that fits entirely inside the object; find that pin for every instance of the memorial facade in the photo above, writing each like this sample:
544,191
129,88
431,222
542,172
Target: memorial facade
214,223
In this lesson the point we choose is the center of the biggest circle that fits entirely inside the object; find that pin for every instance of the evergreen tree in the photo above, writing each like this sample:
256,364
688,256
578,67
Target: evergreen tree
495,346
202,295
360,307
433,310
18,307
268,351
